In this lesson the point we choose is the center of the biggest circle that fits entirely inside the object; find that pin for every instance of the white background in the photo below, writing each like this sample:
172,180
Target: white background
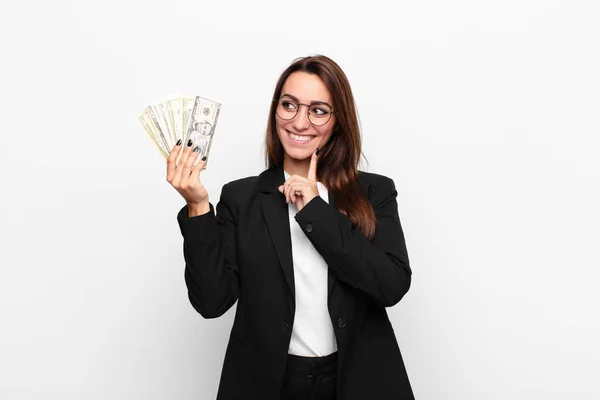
484,113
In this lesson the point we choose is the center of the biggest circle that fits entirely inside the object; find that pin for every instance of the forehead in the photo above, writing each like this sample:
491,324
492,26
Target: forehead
306,87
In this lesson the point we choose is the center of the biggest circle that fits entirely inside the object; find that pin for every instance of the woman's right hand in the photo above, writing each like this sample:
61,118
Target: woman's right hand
184,177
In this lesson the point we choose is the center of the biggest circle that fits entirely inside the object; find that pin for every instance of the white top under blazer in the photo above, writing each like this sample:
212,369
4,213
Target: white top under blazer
312,334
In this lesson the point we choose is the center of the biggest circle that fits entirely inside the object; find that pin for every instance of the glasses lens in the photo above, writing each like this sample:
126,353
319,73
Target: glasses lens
319,114
286,109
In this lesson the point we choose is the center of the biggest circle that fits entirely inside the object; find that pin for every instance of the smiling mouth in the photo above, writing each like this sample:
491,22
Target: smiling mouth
301,139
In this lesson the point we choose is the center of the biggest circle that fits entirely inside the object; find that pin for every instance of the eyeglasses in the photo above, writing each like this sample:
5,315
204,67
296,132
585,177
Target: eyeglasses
318,114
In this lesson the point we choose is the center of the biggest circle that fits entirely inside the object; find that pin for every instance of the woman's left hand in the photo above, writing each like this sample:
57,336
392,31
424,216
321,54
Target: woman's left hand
306,187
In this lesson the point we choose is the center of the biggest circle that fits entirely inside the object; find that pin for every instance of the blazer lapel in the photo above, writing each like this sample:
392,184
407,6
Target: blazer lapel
275,212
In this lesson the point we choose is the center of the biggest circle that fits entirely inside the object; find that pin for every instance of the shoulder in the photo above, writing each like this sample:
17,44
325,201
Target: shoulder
373,178
379,188
240,186
242,183
237,194
374,182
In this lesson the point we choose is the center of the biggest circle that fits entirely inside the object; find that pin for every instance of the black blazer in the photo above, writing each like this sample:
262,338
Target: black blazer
243,254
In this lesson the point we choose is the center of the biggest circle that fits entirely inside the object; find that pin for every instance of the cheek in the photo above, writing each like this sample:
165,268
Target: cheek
280,125
279,129
325,134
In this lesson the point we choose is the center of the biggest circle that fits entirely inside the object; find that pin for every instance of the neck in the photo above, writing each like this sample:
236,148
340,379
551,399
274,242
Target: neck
296,167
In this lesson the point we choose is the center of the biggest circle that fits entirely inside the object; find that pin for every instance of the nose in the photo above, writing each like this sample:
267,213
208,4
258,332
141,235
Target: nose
301,121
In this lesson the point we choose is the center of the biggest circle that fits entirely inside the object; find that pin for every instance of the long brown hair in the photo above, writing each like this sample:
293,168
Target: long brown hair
338,161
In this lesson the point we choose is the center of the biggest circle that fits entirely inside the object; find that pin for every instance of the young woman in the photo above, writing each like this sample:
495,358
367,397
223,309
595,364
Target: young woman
311,249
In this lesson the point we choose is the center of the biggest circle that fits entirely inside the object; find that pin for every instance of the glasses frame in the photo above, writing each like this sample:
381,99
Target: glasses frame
298,109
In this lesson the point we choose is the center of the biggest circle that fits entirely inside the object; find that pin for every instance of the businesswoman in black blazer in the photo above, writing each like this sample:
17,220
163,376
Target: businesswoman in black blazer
311,249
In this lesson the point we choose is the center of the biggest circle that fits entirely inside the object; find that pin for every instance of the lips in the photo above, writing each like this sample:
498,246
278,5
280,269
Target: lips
298,134
300,141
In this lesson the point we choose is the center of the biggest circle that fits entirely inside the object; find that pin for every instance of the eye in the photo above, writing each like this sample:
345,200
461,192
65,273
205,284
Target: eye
318,111
288,105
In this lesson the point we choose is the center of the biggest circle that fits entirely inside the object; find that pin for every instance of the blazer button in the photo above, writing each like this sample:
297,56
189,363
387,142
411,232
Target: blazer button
308,228
341,322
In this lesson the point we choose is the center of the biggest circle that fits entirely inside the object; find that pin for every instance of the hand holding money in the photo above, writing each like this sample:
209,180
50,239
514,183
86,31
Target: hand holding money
181,118
185,177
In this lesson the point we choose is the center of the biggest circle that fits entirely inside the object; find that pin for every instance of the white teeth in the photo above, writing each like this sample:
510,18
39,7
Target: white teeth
301,138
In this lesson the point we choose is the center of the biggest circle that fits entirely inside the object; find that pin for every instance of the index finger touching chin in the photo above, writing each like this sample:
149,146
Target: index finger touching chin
312,169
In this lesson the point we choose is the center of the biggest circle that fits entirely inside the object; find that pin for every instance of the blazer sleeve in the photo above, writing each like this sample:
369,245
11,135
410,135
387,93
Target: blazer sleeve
381,268
209,249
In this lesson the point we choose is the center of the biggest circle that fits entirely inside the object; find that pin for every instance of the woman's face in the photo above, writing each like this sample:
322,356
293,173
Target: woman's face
305,88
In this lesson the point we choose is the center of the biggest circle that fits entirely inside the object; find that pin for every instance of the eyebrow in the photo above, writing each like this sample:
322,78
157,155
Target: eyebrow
311,103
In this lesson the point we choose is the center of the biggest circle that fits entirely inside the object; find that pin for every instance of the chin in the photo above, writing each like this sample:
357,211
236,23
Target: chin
298,154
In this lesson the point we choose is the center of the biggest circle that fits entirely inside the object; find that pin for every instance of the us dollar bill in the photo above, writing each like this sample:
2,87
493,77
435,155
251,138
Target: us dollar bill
201,126
173,106
181,118
163,120
150,130
161,136
187,104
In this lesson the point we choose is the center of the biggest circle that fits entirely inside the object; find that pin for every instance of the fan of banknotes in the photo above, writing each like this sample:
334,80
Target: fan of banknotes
182,118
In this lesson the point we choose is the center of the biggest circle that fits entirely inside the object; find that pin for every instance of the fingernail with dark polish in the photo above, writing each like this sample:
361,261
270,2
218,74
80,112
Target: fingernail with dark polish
196,149
317,152
204,158
189,143
178,142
